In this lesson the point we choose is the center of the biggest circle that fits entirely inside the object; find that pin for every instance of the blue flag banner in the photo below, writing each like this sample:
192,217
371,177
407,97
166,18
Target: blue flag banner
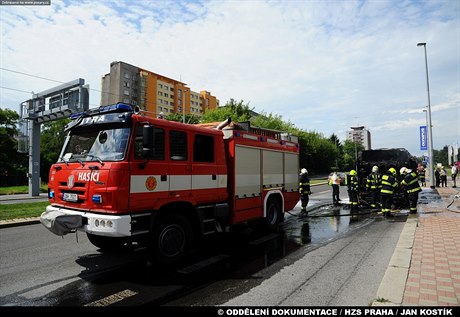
423,138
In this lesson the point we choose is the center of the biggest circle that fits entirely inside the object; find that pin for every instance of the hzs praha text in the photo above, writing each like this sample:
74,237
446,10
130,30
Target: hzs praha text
336,312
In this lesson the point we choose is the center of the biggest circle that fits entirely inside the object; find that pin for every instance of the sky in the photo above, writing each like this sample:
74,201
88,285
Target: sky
324,66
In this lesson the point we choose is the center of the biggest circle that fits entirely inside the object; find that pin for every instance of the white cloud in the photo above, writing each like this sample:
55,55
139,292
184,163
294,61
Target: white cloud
324,66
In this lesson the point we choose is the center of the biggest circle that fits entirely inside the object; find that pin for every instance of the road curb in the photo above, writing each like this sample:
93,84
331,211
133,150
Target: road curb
391,289
19,222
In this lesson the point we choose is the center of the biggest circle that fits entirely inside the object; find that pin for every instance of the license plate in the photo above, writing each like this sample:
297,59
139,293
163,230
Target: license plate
70,197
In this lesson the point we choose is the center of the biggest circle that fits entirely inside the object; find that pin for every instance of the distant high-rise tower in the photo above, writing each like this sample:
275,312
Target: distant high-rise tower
361,136
152,92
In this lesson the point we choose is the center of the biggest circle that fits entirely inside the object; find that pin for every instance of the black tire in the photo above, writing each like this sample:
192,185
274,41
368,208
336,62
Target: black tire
106,243
274,215
171,239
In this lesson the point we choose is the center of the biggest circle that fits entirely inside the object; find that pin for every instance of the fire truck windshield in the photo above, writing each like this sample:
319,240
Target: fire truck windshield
95,145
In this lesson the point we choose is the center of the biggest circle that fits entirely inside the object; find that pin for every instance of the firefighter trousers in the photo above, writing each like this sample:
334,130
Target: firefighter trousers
375,198
304,201
353,196
387,201
413,199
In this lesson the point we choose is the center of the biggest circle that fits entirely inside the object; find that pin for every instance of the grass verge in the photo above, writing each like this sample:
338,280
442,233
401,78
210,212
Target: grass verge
13,190
24,210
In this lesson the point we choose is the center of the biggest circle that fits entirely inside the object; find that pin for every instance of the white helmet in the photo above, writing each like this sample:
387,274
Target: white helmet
403,170
375,169
303,171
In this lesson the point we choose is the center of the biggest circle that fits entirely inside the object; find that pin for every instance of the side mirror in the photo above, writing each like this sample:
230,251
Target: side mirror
147,141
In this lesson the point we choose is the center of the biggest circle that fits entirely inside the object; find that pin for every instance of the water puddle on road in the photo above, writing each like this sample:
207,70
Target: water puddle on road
323,223
224,258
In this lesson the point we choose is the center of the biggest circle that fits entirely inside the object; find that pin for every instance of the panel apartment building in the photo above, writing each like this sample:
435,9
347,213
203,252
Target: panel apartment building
361,136
152,92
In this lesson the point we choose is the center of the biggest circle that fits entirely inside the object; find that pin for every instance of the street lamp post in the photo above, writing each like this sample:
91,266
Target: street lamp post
430,134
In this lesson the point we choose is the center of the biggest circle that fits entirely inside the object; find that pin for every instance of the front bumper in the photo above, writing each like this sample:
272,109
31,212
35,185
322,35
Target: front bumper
61,221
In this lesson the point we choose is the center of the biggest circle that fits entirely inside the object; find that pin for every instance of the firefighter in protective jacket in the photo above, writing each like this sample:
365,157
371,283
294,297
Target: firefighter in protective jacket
389,186
304,190
352,185
374,184
410,182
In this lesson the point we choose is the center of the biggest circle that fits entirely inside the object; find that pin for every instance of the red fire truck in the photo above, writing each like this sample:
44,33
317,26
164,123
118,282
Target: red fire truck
125,177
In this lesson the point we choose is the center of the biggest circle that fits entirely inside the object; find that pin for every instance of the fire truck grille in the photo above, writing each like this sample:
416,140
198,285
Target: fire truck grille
77,194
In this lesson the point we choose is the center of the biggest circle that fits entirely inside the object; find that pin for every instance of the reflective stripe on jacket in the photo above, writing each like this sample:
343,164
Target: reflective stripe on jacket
411,181
374,181
352,182
304,184
389,183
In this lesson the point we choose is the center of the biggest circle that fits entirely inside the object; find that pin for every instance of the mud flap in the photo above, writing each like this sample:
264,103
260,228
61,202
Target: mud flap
60,223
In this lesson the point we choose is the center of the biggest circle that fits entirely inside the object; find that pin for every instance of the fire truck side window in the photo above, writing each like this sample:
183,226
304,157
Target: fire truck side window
159,144
178,145
203,148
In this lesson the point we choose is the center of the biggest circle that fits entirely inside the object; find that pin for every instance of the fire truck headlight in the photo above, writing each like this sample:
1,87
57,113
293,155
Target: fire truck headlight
96,222
109,223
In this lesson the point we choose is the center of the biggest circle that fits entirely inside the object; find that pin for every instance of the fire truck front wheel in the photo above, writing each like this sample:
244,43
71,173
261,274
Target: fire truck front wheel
171,241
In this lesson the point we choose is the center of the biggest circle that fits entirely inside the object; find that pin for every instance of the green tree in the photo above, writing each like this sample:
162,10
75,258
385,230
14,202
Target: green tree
273,122
350,151
237,111
189,118
317,153
51,140
14,166
441,156
335,139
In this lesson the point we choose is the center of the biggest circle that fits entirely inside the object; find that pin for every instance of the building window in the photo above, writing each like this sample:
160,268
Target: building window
126,92
127,76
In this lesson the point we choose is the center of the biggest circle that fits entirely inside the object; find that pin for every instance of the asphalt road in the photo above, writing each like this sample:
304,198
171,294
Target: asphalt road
41,269
346,271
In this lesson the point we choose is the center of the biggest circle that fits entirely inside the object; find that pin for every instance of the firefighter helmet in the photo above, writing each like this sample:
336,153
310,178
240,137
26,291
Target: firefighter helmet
392,170
352,172
403,170
375,169
303,171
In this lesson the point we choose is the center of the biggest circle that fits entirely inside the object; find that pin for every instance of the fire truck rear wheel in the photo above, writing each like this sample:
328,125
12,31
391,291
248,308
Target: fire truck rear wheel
171,239
106,243
274,216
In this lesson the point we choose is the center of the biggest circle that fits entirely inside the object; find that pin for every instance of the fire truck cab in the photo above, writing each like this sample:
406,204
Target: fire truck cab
124,177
